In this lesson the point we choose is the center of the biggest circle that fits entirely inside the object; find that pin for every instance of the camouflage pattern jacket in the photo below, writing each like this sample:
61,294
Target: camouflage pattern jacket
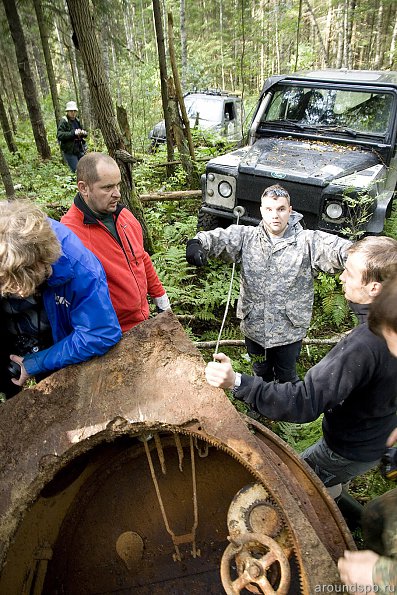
276,278
383,518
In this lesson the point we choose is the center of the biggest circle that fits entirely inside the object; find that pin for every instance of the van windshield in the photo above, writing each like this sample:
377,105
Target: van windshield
208,108
338,109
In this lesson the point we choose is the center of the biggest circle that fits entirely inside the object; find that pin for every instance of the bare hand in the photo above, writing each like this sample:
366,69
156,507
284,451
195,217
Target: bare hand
355,568
24,375
392,438
220,373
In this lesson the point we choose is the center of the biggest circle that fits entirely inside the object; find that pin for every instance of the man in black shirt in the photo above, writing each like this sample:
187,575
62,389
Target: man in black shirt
354,385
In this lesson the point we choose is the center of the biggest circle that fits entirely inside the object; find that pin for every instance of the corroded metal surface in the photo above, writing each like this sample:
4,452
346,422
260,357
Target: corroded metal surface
129,463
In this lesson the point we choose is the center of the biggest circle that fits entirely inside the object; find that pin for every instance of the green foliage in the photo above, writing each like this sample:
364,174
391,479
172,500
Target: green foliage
331,310
300,436
360,207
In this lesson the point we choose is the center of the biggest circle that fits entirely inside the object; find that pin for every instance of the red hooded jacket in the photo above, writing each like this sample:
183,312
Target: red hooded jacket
129,270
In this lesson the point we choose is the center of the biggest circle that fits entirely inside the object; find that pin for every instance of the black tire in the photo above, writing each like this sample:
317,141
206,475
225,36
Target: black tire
206,221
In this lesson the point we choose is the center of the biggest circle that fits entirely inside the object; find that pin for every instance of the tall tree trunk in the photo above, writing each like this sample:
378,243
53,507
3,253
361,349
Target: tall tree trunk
350,25
73,70
186,149
345,35
378,41
6,177
339,50
84,28
328,32
47,57
221,42
64,60
85,108
41,78
392,58
318,32
182,13
297,35
163,81
8,135
29,88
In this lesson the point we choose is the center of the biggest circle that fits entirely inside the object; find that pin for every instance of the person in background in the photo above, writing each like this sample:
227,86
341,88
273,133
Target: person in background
376,567
114,235
71,136
354,385
278,261
55,308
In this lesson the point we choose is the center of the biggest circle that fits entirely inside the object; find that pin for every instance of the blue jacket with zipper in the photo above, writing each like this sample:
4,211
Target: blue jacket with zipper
77,302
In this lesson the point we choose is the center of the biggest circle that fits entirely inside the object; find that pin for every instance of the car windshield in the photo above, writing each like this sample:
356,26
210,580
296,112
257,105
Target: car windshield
209,108
346,111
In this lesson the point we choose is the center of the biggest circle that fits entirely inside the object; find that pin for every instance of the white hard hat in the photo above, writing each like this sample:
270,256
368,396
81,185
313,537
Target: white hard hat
71,106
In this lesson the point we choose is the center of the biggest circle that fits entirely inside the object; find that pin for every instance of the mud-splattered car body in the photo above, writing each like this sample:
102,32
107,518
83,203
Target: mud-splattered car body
328,137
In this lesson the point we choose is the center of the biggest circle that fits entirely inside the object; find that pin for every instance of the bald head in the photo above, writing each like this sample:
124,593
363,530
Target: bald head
87,167
98,181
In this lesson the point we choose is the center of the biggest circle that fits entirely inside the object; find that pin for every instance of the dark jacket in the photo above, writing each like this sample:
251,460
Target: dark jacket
78,306
354,385
129,269
67,138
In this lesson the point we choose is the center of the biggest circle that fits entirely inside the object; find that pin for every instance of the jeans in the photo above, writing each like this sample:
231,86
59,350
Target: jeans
333,469
72,160
274,363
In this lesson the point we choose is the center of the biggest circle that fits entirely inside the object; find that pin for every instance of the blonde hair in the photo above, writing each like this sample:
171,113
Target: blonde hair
28,247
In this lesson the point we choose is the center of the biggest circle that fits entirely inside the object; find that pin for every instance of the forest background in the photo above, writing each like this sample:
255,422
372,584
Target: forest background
108,56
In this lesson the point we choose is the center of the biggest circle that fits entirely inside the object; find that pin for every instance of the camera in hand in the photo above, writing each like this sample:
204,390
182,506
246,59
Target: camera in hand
14,370
388,464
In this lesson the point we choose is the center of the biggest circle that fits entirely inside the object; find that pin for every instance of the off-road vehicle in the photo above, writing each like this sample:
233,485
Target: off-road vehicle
329,138
217,112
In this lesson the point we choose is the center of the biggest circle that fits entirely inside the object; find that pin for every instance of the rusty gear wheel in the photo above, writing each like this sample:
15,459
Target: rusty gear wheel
267,570
252,510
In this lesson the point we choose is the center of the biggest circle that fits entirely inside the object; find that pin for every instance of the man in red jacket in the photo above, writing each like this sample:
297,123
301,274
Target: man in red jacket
114,235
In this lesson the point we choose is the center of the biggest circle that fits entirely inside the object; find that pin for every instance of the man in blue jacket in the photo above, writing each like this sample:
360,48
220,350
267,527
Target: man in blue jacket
55,308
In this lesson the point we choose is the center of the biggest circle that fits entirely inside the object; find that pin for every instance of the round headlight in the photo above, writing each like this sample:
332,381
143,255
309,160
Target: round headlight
225,189
334,210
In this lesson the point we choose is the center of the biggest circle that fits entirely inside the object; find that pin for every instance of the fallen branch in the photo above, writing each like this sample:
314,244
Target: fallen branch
178,162
240,343
177,195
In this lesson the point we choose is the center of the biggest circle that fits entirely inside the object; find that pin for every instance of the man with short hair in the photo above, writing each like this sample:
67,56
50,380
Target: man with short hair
55,308
376,567
71,136
354,385
114,235
278,262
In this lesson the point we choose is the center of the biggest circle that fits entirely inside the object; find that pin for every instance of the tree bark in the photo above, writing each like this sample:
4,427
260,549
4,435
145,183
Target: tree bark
122,118
182,13
29,88
8,135
84,28
163,80
6,177
297,35
47,57
318,32
184,150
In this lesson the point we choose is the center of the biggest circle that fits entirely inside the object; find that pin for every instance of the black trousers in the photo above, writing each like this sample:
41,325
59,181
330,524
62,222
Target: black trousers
274,363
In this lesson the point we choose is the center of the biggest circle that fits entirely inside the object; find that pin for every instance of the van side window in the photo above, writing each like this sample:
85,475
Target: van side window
229,111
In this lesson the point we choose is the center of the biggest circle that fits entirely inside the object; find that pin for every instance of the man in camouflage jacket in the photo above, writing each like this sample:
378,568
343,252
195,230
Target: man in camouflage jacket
278,260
